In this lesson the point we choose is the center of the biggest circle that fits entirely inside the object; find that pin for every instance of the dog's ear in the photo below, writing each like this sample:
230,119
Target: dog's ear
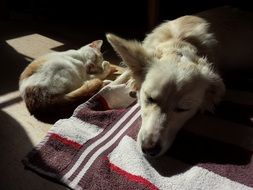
214,91
133,54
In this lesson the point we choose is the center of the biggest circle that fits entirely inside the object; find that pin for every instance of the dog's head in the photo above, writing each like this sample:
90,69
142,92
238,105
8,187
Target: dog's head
170,90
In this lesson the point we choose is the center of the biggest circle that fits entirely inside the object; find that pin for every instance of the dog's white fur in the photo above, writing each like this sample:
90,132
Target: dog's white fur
173,76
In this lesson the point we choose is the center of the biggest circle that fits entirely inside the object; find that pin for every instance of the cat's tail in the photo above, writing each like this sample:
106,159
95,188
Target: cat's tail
88,89
39,101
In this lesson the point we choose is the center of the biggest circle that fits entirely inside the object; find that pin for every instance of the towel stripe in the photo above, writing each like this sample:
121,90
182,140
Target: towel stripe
102,149
94,139
98,141
66,141
85,160
132,177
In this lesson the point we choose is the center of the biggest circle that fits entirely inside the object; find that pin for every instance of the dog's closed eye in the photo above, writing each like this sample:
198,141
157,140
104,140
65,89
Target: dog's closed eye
180,110
150,100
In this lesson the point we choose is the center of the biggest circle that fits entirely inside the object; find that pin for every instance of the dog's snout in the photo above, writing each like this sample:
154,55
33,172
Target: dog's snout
152,151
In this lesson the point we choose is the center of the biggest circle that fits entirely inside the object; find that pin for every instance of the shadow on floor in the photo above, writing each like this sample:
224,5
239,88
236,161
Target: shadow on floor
12,64
14,145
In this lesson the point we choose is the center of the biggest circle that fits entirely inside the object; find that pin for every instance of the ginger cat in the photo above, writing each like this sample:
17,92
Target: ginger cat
61,78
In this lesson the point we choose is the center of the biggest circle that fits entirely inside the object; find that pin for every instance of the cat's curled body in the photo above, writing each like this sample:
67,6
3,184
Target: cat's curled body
60,78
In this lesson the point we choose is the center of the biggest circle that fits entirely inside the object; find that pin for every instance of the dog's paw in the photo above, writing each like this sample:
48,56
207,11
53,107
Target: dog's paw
106,82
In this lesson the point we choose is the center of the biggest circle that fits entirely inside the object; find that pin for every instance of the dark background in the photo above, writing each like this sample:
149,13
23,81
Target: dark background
132,16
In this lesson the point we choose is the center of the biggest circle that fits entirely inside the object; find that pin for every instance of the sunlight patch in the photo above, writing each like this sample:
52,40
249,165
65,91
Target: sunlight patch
33,45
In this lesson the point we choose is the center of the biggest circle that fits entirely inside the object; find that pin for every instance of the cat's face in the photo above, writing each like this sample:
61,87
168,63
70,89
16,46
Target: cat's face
94,57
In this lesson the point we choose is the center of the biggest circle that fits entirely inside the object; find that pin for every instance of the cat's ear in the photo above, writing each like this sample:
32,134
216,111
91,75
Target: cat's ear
96,44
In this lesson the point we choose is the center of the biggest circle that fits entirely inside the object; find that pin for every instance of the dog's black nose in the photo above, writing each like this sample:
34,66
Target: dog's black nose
152,151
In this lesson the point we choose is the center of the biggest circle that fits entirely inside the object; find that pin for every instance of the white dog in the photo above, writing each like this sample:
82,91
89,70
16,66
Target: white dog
174,74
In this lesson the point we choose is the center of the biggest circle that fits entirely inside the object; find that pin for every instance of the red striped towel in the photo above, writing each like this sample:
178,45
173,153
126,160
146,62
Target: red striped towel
96,148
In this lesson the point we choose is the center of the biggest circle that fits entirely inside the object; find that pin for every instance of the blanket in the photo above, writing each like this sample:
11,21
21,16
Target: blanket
96,148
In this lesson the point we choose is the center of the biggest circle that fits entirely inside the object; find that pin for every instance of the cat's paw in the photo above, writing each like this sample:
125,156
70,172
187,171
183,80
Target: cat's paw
106,66
113,70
